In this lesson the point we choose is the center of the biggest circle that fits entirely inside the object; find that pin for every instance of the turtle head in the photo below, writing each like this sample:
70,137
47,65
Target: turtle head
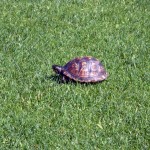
57,69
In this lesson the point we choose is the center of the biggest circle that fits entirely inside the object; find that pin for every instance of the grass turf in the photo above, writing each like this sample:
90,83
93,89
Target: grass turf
38,113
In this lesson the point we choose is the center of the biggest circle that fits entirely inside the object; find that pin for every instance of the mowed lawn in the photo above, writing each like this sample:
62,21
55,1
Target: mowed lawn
37,112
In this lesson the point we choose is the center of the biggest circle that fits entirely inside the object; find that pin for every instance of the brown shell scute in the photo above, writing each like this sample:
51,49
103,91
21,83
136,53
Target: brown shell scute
85,69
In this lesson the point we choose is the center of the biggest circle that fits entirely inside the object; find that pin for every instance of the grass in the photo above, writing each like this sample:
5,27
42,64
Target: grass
38,113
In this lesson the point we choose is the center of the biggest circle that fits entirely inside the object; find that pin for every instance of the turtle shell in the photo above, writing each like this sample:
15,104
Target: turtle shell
85,69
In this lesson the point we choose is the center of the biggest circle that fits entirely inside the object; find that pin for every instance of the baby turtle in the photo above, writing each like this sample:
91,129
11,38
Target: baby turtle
84,69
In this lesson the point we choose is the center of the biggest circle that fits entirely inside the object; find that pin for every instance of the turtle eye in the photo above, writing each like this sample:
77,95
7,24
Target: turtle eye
56,71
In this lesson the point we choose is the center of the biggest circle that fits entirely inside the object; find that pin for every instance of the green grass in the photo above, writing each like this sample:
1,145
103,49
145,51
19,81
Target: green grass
36,112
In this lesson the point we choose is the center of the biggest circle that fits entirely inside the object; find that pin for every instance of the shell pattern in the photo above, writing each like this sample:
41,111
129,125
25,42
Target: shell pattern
85,69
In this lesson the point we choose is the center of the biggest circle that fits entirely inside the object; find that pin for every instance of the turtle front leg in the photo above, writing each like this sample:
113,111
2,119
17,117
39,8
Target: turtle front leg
65,79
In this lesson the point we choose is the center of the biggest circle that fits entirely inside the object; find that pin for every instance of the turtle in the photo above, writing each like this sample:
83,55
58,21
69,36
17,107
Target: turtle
82,69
